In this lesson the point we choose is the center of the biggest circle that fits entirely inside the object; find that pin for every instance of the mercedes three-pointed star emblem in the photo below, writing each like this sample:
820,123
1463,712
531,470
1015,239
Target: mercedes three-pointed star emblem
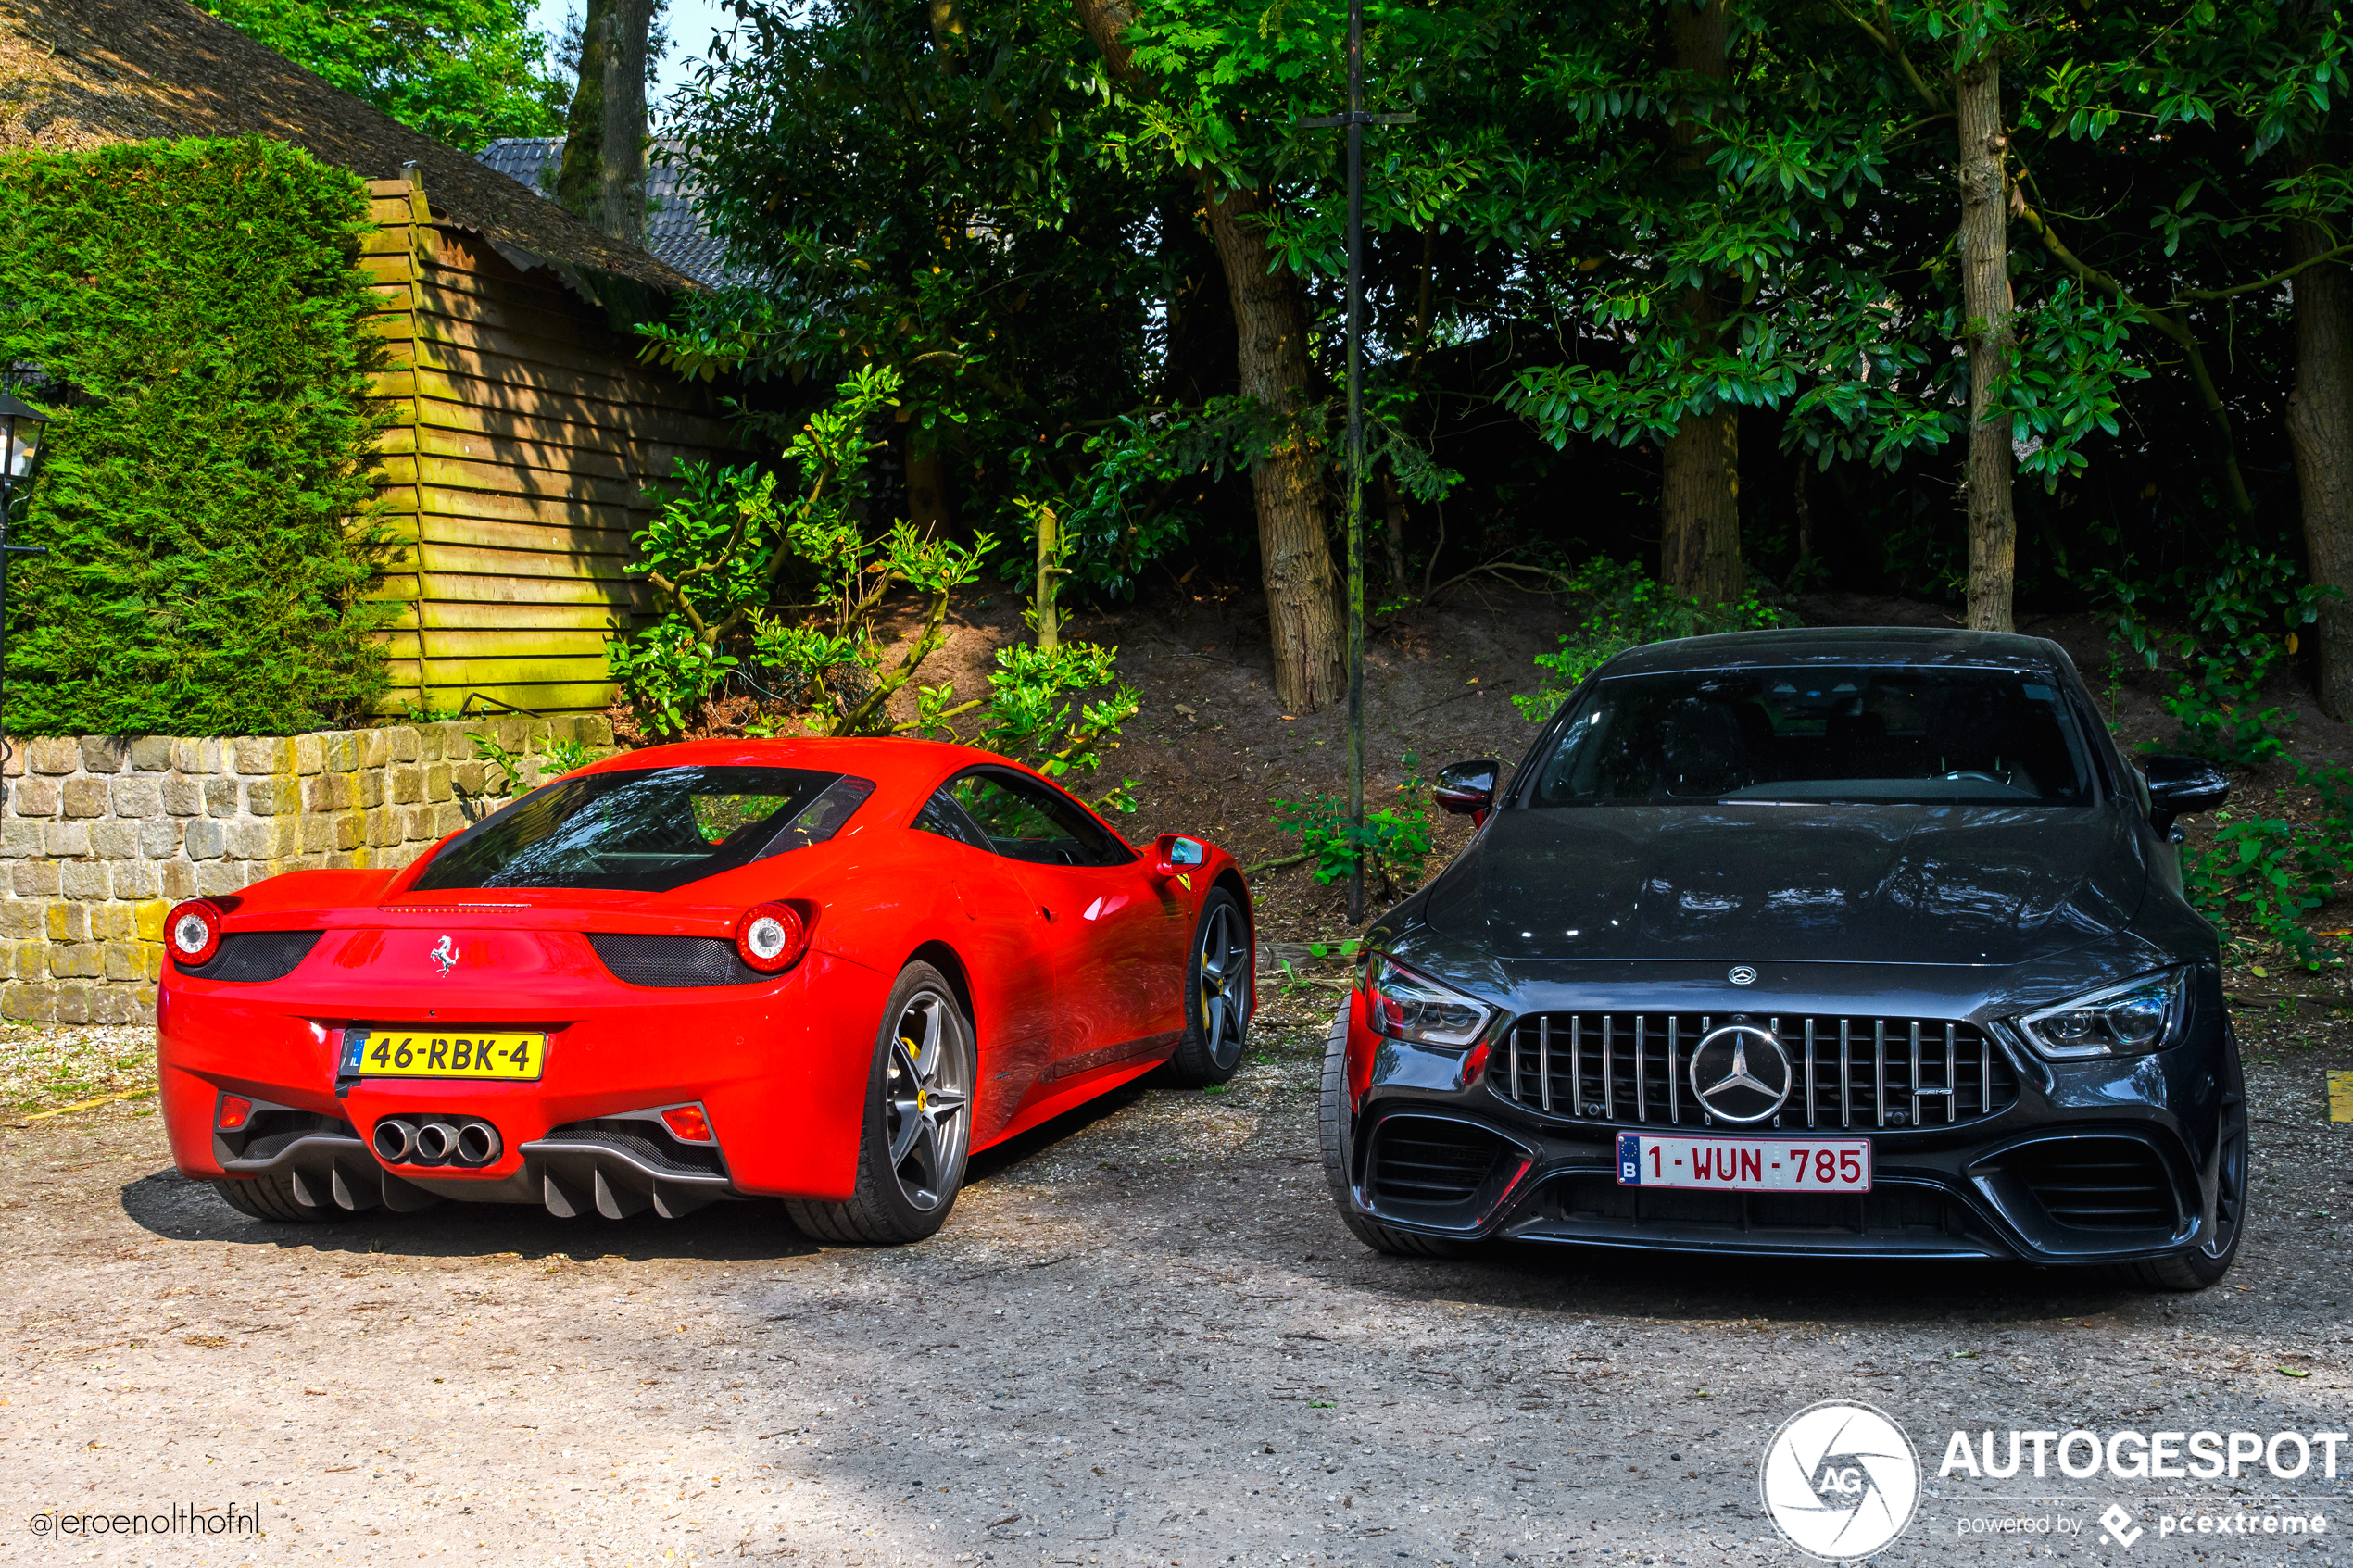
1741,1074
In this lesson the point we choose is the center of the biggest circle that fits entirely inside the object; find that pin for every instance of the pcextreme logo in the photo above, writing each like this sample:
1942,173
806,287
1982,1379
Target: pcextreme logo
1840,1481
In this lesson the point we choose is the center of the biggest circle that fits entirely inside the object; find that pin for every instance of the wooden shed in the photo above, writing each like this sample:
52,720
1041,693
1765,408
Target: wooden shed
525,431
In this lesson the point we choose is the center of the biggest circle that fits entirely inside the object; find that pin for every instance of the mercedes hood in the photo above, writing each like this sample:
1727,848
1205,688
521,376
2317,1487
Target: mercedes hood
1738,883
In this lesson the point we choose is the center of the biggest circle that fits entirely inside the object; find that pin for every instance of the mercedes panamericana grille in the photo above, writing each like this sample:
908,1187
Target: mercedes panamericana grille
1862,943
821,971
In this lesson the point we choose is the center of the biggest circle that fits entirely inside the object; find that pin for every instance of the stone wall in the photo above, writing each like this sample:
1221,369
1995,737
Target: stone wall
104,833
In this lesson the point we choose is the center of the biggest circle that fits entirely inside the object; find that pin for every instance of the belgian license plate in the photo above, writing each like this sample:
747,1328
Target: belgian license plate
1744,1164
419,1053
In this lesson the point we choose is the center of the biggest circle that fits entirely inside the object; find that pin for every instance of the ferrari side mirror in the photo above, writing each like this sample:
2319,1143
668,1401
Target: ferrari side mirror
1467,788
1174,855
2183,787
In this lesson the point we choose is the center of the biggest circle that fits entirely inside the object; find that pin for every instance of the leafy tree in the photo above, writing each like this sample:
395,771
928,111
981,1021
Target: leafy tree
462,71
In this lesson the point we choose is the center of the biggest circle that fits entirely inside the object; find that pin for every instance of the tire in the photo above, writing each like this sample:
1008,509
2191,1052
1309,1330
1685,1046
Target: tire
917,1129
2206,1264
270,1198
1218,995
1332,1124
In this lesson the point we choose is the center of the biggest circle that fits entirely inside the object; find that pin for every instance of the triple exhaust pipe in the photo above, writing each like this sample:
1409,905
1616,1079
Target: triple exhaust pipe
463,1140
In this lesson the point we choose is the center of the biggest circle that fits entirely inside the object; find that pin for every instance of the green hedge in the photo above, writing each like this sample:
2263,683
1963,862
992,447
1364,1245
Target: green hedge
194,312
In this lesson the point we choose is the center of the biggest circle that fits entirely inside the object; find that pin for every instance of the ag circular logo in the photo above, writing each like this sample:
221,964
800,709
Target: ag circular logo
1840,1481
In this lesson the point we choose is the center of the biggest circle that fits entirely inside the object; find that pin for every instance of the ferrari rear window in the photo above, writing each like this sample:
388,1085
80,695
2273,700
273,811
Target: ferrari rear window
647,830
1867,735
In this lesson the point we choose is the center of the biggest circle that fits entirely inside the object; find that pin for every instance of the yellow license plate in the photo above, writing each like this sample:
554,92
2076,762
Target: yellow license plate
419,1053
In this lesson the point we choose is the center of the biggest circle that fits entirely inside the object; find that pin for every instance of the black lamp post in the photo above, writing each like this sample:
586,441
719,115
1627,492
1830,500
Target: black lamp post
21,427
1355,119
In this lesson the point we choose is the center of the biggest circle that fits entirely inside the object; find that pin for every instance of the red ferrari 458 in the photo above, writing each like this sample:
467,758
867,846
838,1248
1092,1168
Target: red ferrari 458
820,971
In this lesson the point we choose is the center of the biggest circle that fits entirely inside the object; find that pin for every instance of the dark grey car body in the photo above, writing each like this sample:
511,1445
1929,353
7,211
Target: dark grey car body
1888,946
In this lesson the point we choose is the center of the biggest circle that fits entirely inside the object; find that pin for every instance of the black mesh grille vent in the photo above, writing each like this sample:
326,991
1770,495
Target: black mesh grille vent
648,1140
673,960
2099,1184
1423,1159
249,956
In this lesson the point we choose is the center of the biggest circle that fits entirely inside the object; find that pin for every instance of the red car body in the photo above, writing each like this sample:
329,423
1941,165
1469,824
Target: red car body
1073,977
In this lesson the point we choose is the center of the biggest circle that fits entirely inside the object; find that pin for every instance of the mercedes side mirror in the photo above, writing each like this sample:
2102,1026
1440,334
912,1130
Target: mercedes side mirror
1467,788
1173,855
2183,787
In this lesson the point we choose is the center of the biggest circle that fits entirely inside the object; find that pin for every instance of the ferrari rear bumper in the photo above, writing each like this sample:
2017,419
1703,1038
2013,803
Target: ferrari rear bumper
615,1167
779,1070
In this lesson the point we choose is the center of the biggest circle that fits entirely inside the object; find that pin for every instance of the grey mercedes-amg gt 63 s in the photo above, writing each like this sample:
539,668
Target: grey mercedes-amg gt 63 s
1859,943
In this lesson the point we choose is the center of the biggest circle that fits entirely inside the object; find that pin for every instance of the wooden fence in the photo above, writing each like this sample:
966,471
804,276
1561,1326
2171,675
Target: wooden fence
525,433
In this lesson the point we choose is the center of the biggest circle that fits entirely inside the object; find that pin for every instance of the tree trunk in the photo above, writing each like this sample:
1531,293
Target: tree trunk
1394,539
624,176
928,504
1699,507
579,178
1987,334
1270,317
1294,548
2319,432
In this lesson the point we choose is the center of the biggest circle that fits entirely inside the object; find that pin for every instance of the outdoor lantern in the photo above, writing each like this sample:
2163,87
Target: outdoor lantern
21,428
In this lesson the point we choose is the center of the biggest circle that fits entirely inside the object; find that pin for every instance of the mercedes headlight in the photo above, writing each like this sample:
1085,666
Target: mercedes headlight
2132,1018
1406,1005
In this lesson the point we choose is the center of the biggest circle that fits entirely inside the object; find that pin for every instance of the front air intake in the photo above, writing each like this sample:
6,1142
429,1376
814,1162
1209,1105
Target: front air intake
1426,1160
2099,1184
674,961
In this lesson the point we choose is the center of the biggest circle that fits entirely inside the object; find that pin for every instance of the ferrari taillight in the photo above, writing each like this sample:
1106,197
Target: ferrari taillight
770,937
234,1111
194,932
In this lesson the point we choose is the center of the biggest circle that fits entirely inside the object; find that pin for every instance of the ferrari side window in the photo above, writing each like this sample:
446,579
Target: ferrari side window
943,816
1027,821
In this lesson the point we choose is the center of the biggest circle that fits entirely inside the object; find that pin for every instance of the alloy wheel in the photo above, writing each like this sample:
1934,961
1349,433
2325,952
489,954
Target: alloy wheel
926,1100
1222,983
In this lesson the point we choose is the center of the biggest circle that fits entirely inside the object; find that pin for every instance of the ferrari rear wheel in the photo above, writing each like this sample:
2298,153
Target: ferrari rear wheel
1333,1124
1216,994
270,1198
918,1125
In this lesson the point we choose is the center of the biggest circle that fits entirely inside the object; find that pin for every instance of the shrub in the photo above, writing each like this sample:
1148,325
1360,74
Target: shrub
1393,845
1623,608
195,312
2270,873
2243,613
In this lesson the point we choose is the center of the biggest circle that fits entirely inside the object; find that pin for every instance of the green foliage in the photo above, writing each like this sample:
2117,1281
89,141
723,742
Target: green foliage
1122,508
2242,616
1623,609
1037,713
1392,844
462,71
506,767
729,544
195,310
2270,873
724,551
512,772
568,756
665,674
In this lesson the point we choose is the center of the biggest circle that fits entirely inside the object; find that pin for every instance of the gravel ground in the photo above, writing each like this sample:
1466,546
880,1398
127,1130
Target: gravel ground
1143,1339
43,1066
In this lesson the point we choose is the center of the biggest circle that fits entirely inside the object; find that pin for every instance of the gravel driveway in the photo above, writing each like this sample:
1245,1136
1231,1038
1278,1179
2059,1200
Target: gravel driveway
1143,1339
